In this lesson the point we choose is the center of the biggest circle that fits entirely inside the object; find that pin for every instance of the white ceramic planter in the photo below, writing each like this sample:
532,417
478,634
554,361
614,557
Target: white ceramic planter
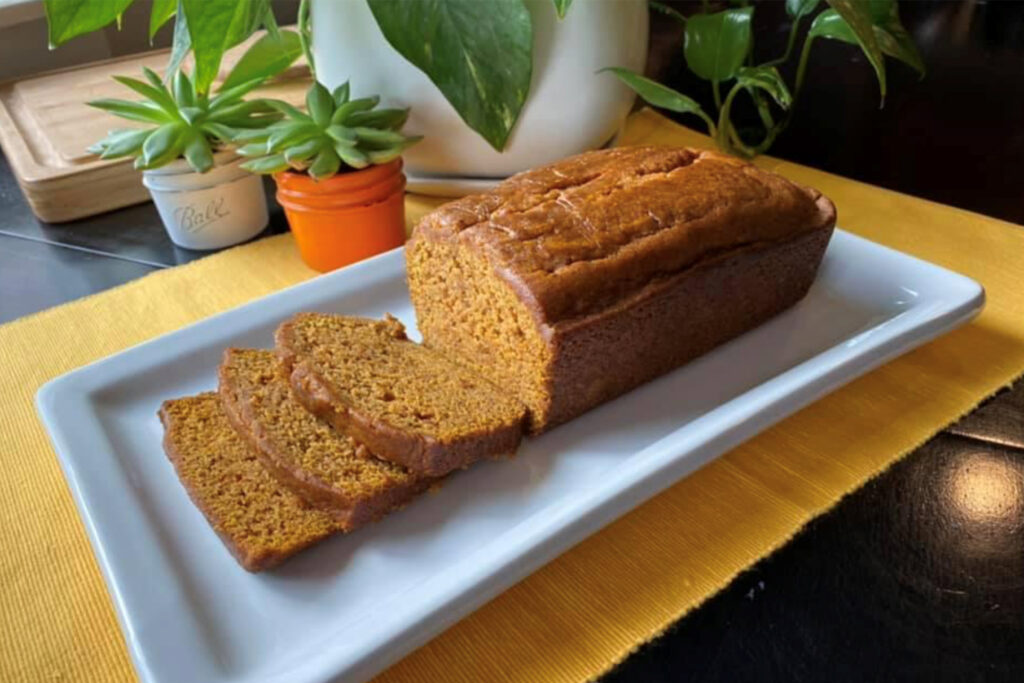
570,108
224,206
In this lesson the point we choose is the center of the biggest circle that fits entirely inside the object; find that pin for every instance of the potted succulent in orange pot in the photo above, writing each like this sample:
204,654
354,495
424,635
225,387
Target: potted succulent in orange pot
338,170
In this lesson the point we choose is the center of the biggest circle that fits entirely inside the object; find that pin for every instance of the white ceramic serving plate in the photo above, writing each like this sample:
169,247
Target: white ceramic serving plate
353,605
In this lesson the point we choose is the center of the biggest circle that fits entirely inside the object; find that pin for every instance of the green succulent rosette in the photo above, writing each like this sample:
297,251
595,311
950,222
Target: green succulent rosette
181,121
333,133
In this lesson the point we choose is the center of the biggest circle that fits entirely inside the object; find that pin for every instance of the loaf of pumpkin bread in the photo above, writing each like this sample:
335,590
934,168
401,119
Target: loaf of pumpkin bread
572,283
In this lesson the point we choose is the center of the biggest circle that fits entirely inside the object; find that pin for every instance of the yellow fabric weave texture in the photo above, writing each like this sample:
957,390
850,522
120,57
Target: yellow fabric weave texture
577,616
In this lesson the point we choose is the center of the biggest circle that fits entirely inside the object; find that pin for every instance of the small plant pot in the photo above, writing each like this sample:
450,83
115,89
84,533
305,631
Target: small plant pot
347,218
219,208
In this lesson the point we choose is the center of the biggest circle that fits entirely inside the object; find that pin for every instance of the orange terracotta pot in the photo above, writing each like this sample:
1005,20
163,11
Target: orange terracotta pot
347,218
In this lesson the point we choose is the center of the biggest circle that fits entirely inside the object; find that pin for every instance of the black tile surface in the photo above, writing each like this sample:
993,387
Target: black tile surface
919,576
999,420
35,276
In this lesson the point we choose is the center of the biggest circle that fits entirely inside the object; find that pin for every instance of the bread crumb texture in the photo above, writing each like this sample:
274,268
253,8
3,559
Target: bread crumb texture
371,368
325,464
261,521
466,311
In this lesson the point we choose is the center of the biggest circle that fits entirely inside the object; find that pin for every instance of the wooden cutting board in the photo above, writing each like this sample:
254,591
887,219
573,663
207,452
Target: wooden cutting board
45,128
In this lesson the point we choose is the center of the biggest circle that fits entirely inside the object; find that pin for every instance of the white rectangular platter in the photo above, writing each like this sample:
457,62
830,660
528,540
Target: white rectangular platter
353,605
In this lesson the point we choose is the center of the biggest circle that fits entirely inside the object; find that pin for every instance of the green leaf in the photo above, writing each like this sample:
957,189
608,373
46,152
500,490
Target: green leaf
562,6
218,131
153,78
253,149
892,38
342,113
716,44
163,145
216,25
161,13
319,104
478,54
271,164
340,133
157,96
304,152
281,139
198,153
766,78
857,16
384,156
375,135
879,10
231,95
181,44
236,109
270,22
246,122
133,111
191,114
325,165
352,156
306,33
379,118
253,16
267,57
67,19
184,93
800,8
244,135
288,110
658,95
829,24
340,94
121,143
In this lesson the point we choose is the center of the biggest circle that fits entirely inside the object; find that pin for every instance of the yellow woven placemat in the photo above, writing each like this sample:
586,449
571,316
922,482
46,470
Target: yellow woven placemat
580,614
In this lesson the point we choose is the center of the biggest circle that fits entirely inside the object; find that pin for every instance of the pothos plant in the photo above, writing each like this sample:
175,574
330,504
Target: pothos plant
478,53
718,48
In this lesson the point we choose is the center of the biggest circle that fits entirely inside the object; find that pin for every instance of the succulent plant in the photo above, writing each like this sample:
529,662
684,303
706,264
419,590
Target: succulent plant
182,123
334,131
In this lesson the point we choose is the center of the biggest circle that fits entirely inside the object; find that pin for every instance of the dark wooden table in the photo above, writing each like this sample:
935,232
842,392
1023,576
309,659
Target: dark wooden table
917,576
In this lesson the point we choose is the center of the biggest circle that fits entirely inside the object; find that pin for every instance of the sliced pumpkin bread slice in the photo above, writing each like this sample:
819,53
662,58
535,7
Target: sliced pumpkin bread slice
260,521
407,403
328,469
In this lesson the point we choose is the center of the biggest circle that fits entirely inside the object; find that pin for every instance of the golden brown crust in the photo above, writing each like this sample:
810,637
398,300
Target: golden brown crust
694,311
417,450
259,521
579,235
622,264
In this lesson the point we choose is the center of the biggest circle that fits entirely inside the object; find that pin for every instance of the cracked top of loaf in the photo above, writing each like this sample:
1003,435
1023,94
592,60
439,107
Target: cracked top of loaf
587,232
